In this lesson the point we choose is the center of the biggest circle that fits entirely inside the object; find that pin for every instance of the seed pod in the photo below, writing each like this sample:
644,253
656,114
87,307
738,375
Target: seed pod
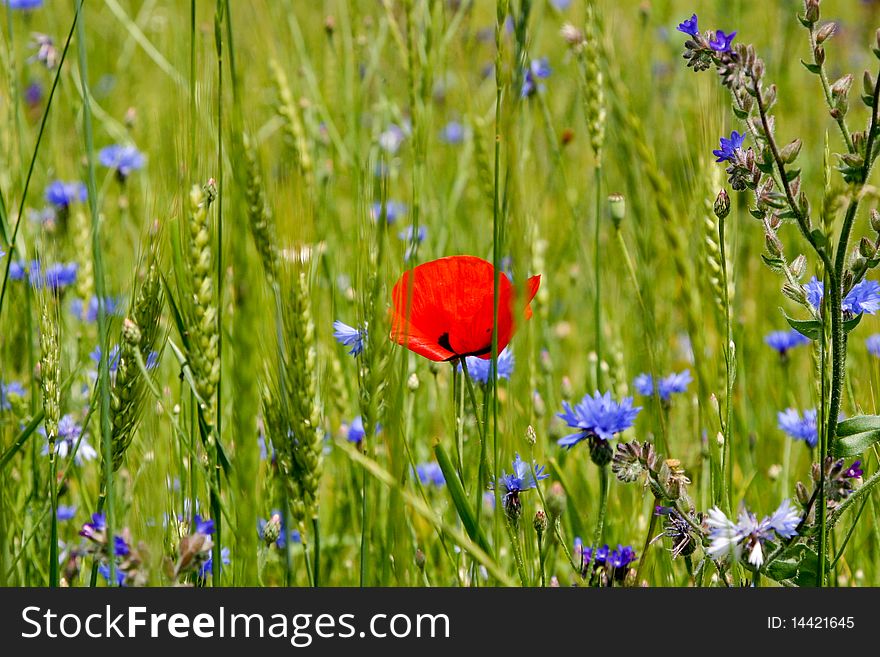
825,32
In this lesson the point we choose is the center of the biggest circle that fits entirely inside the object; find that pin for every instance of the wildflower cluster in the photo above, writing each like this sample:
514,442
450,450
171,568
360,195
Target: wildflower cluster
602,566
127,558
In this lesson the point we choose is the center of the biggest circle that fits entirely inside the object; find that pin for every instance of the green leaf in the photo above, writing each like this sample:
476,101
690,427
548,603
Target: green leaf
798,564
850,324
791,174
811,328
459,499
740,113
22,439
812,68
855,435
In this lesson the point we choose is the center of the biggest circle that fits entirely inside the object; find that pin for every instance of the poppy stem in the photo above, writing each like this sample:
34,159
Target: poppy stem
481,472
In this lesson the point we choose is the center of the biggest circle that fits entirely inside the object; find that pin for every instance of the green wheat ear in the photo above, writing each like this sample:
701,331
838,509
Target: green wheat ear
260,219
205,337
138,340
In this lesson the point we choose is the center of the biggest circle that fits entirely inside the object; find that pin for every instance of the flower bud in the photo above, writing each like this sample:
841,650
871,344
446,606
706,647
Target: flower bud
867,83
413,382
566,389
617,206
540,522
556,500
811,11
531,436
722,204
875,221
420,559
825,32
866,248
819,55
272,529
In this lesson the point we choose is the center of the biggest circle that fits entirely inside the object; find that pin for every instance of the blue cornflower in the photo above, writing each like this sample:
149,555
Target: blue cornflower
207,568
597,416
62,194
104,569
785,341
407,235
68,435
18,270
123,158
561,5
394,210
23,4
93,529
539,69
55,277
800,428
864,297
479,369
7,390
452,133
89,312
356,432
727,152
721,41
350,336
689,26
203,525
873,344
429,473
112,359
524,477
730,538
65,512
674,383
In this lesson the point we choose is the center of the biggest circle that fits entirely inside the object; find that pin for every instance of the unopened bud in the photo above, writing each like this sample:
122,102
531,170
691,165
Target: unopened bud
272,529
875,221
825,32
720,439
565,388
722,204
867,83
413,382
811,11
538,403
420,559
617,206
540,522
866,248
531,436
819,55
556,500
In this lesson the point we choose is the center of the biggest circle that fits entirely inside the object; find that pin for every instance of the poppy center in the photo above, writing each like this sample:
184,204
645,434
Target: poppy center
444,342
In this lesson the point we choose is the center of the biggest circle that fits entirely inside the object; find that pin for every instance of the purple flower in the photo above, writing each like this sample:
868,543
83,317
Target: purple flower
622,557
65,512
800,428
785,341
124,159
62,194
91,529
539,69
452,133
33,94
23,4
873,344
727,152
350,336
392,211
278,517
120,547
89,313
68,435
854,471
731,538
104,569
356,432
597,416
721,41
59,275
203,525
689,26
7,389
207,568
430,474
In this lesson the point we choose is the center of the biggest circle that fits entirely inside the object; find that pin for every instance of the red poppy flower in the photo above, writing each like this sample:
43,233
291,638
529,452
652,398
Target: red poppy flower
446,311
